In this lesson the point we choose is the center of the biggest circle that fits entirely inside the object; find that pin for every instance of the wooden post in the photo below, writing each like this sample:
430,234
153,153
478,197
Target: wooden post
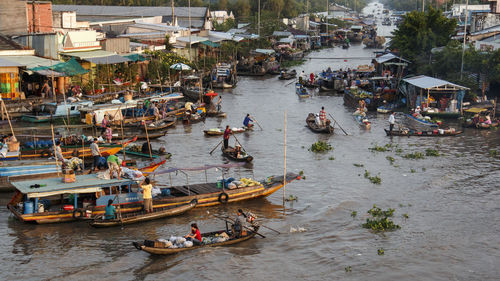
284,168
54,147
83,149
147,138
8,118
123,143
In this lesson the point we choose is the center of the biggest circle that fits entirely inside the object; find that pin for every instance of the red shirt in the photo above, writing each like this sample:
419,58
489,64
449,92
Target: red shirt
227,132
322,115
197,235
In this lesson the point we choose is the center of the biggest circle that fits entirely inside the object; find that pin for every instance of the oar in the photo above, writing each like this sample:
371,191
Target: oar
215,147
231,220
239,142
256,122
290,83
338,124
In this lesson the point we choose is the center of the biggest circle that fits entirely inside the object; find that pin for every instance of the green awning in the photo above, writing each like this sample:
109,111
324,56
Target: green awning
136,57
210,44
69,68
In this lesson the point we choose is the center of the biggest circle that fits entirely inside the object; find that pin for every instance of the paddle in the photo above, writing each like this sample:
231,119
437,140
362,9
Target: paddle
239,142
338,124
256,122
215,147
290,83
231,220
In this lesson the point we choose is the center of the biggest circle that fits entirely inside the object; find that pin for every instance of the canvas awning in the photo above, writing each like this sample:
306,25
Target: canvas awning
30,61
210,44
68,68
53,186
8,63
108,60
98,57
431,83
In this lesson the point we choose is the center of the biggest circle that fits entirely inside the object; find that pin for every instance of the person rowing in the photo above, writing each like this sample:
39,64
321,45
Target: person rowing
247,120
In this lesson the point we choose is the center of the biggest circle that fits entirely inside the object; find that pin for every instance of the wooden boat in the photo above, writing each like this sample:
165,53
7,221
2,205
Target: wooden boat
215,113
288,75
311,123
220,132
483,126
413,133
362,121
137,217
301,91
70,152
152,135
51,111
169,251
158,125
231,155
421,122
155,153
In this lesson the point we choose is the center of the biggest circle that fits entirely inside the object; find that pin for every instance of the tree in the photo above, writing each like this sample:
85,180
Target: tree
420,32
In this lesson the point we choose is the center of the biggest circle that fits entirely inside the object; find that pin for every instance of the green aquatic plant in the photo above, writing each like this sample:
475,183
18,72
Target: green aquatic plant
412,171
405,216
348,268
358,165
380,252
373,179
378,148
354,214
391,159
431,152
320,146
380,220
415,155
291,198
493,153
331,158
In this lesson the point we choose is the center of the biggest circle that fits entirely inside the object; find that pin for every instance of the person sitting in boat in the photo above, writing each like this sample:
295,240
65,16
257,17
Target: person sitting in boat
237,151
247,120
156,111
58,152
110,211
302,77
145,148
195,235
114,165
108,134
189,106
488,120
317,120
475,119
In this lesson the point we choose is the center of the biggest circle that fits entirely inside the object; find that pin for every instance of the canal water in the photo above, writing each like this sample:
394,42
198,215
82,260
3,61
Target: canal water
451,232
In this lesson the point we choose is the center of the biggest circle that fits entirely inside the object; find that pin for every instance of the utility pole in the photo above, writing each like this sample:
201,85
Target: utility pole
423,5
258,20
173,14
465,36
189,16
327,8
34,18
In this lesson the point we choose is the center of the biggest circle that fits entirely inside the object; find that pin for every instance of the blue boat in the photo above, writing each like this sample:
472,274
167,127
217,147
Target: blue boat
421,121
20,170
301,91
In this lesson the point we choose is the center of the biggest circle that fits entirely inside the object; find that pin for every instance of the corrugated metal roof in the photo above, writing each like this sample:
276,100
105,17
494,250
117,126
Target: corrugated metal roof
282,33
194,39
130,11
8,63
89,54
30,61
216,36
429,83
387,57
108,60
157,26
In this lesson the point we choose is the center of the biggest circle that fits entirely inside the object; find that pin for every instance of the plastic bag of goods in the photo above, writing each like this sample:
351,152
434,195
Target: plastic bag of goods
173,239
232,186
224,235
188,244
180,240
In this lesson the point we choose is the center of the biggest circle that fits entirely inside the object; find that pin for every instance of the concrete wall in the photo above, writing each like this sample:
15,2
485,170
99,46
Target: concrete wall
118,45
13,19
42,21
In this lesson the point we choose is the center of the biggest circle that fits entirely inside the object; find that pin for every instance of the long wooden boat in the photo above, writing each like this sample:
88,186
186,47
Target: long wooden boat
137,217
311,123
231,155
220,132
159,125
169,251
420,121
71,152
483,126
155,153
288,75
412,133
151,136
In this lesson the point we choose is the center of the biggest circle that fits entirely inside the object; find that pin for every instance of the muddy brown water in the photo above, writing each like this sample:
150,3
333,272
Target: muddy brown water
451,200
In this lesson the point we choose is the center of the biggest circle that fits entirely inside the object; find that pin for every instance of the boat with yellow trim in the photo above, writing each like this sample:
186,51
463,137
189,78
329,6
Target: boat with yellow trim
87,197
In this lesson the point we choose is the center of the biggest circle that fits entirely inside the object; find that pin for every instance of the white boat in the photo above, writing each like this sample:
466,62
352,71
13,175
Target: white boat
50,111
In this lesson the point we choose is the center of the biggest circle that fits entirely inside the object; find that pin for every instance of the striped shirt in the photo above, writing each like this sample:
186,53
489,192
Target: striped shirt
322,115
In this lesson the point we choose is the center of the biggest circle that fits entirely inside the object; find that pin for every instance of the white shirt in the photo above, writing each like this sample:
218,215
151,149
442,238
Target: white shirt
392,120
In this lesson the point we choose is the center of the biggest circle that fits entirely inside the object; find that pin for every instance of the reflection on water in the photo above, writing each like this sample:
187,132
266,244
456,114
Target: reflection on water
451,200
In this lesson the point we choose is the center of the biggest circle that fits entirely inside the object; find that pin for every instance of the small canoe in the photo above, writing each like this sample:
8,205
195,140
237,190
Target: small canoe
137,217
169,251
362,121
288,75
231,155
154,154
158,125
301,91
220,132
412,133
311,123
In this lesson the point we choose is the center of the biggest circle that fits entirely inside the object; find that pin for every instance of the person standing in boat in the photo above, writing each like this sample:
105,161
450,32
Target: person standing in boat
218,104
108,134
96,153
146,195
239,226
392,121
247,120
195,235
322,116
114,165
227,134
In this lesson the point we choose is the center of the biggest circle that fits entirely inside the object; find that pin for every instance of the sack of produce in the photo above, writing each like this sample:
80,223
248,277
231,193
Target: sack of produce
180,240
188,244
172,239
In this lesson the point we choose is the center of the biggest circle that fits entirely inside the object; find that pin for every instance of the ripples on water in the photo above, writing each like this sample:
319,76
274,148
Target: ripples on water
451,233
